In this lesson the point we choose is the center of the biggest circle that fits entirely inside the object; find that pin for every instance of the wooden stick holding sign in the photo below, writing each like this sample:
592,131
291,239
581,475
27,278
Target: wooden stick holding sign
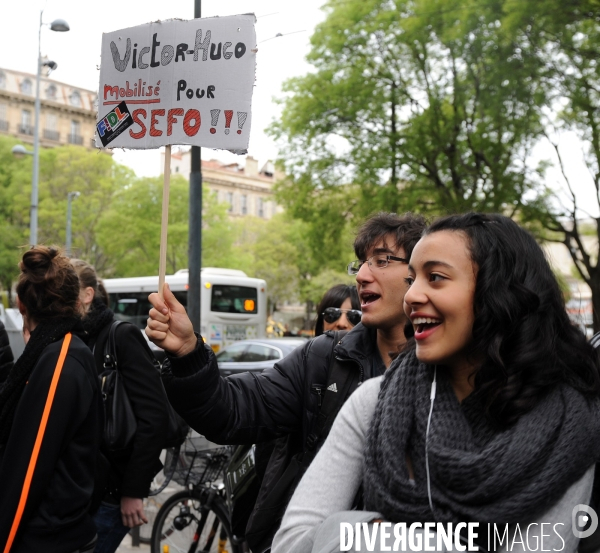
164,223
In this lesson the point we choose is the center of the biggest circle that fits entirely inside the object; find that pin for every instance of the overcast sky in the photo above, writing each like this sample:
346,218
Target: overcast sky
77,52
78,55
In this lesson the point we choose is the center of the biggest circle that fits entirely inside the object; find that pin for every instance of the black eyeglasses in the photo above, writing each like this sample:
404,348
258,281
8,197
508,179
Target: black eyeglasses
380,261
332,314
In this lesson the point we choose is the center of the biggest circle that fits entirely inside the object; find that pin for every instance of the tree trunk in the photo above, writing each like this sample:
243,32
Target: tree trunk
594,284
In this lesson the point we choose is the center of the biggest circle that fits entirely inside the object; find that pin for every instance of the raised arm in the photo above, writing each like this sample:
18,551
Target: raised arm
244,408
241,409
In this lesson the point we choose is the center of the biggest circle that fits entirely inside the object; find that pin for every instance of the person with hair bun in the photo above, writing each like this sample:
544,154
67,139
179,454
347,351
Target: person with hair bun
339,309
132,469
492,418
50,417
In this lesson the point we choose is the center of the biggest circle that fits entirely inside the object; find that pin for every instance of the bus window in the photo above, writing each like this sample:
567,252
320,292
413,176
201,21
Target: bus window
134,306
234,299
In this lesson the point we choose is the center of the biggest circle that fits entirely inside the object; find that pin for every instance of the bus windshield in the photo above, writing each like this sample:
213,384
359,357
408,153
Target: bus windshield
234,299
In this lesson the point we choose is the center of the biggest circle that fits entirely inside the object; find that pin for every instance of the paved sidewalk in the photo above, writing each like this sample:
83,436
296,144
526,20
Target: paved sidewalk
126,547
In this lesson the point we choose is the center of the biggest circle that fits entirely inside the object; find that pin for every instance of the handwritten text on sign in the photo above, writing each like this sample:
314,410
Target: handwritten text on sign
184,82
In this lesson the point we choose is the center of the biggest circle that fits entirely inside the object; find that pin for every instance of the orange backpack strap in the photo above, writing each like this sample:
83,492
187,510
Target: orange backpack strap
38,443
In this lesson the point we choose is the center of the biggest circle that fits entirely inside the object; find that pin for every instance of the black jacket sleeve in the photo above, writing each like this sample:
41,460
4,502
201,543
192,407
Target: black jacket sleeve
6,355
244,408
147,397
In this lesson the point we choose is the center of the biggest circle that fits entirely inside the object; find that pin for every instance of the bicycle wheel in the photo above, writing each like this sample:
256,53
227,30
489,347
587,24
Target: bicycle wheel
179,523
161,488
151,508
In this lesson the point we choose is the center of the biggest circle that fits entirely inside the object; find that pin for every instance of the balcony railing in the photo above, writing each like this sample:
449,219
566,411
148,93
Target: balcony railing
26,129
3,125
76,139
50,134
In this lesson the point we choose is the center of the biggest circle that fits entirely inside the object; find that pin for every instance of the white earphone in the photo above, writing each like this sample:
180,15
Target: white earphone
432,397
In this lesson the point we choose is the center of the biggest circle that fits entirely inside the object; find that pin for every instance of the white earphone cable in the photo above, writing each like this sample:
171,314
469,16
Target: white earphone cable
432,397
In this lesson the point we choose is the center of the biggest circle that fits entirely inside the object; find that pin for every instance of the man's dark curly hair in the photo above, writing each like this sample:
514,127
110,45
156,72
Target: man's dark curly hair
404,230
521,327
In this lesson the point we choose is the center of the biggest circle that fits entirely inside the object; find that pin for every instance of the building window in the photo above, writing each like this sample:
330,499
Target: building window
51,92
260,207
75,99
75,136
25,126
244,206
2,79
230,201
26,87
51,128
51,121
3,117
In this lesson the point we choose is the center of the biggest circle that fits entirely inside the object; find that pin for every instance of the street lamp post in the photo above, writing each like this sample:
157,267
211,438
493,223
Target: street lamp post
70,197
61,26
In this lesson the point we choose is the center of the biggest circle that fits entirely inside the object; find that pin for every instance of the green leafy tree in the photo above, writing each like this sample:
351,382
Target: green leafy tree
565,39
62,170
129,232
96,176
13,230
426,105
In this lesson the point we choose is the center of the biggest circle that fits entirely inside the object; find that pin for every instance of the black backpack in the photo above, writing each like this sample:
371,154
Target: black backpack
281,479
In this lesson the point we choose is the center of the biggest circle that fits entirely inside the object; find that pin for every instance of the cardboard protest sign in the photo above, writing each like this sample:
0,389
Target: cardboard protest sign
181,82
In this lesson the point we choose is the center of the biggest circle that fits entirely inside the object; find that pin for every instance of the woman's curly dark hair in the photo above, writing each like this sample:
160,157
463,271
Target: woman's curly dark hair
521,327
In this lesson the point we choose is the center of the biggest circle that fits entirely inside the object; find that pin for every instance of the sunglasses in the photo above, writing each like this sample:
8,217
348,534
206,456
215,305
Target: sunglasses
332,314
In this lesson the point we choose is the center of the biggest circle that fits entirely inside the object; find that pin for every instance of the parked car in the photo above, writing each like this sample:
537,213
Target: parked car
255,355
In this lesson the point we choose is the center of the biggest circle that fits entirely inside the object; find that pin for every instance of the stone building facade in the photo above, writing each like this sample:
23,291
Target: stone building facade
67,113
247,189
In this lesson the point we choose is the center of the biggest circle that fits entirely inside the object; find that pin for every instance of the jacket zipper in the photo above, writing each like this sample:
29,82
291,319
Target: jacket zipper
318,389
361,374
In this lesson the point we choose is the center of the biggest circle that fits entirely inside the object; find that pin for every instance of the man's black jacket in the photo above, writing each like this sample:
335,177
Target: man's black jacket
281,402
252,408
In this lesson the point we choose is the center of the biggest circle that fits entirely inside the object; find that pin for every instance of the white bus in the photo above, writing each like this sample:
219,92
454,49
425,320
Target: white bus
233,306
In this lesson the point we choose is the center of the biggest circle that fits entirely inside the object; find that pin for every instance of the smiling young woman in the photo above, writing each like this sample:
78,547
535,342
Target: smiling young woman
491,418
499,323
439,304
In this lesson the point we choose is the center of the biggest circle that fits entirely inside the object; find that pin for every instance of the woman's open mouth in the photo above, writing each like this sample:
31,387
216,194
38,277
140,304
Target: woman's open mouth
425,326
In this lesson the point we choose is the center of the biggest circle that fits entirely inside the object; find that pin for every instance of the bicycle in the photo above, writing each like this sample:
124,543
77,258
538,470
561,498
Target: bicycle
197,518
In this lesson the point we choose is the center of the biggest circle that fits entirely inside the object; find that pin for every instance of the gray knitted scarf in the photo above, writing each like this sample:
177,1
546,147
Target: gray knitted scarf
477,474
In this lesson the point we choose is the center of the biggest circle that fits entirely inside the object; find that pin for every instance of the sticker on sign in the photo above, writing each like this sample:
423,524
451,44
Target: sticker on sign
114,123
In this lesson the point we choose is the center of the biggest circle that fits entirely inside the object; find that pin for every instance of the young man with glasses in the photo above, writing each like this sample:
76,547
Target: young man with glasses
283,403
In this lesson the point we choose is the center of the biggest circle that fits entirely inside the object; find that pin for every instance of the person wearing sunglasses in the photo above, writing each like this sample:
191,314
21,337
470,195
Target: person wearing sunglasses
339,309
